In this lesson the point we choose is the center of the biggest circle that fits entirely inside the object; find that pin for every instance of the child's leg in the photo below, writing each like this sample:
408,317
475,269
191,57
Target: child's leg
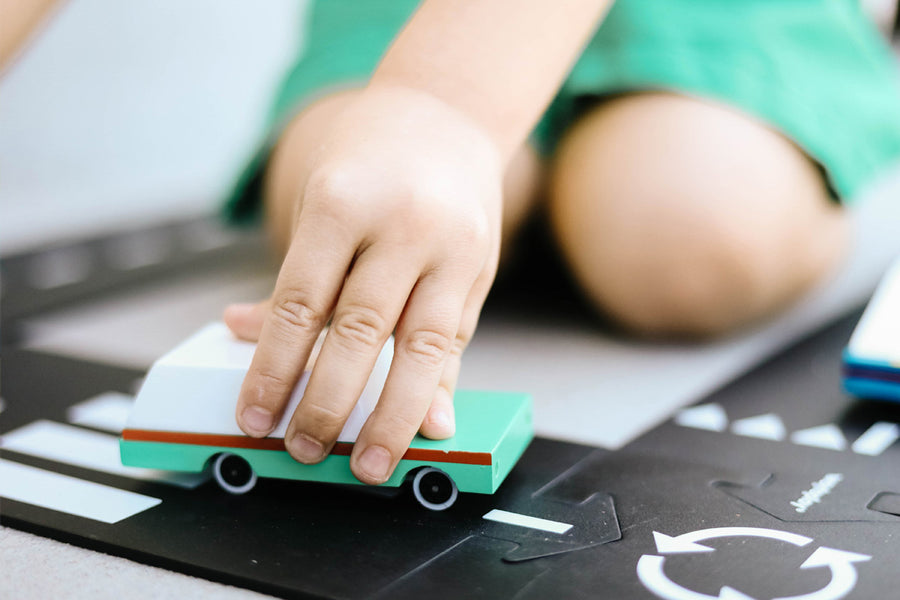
679,216
288,171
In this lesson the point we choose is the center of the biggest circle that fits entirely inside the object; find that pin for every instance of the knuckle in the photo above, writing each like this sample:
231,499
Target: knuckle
428,347
399,426
360,326
274,381
475,231
330,182
291,313
460,342
321,419
331,194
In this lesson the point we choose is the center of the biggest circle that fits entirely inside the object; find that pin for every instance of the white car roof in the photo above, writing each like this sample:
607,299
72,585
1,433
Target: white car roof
213,346
194,387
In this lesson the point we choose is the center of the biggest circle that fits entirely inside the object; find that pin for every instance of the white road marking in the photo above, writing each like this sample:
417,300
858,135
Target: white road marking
877,438
688,542
511,518
108,411
824,436
62,493
711,417
89,449
767,427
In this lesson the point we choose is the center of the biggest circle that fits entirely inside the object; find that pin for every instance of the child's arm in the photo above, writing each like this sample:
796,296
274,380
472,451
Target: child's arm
398,228
20,18
500,62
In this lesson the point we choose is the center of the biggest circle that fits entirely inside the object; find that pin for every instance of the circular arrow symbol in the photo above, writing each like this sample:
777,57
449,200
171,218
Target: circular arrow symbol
652,574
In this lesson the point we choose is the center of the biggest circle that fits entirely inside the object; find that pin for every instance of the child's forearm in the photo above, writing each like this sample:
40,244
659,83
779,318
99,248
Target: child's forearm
20,18
498,61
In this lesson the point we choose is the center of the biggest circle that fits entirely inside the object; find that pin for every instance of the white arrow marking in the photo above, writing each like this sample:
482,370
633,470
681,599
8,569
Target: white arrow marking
666,544
650,567
511,518
650,572
825,436
711,417
843,573
681,542
767,427
824,557
729,593
877,438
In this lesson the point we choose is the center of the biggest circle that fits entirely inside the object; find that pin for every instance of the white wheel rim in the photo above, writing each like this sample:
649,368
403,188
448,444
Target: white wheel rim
232,489
426,503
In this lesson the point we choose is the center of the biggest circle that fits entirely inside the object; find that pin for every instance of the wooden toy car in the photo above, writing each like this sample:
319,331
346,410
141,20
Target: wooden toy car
872,357
183,420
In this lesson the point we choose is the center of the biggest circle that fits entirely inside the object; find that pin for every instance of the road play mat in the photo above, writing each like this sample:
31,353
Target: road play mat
780,485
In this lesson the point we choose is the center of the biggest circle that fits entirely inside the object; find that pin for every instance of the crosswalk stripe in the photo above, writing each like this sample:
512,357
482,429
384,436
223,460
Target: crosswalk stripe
89,449
108,411
62,493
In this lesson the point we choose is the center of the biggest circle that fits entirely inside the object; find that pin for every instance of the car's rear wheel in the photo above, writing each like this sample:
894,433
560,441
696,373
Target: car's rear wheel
233,473
434,489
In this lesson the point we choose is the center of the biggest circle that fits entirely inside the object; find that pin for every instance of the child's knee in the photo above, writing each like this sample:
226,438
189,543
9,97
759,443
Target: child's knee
703,278
707,283
689,231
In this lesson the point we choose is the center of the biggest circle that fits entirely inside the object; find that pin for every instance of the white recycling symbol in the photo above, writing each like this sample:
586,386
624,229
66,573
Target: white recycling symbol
650,566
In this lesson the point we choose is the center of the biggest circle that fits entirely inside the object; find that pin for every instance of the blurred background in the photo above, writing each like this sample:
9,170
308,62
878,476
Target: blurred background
124,113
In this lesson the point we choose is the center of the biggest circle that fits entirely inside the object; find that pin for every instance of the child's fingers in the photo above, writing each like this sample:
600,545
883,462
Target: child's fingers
372,298
307,287
246,320
440,421
425,334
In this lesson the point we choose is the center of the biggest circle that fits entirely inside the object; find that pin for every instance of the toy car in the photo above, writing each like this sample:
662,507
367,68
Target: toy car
872,357
183,420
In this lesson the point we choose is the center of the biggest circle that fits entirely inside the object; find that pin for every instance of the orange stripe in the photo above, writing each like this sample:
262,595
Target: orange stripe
339,449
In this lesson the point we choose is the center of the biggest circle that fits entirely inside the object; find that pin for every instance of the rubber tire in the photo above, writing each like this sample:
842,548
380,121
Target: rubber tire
421,494
232,488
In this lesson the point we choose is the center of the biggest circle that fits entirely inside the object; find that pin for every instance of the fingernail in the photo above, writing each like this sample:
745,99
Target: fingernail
441,419
375,462
257,420
305,449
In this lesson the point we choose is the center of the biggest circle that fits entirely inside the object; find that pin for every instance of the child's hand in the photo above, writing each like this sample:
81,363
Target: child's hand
398,230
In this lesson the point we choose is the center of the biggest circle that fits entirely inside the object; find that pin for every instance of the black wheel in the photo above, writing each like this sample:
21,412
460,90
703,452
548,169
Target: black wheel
434,489
233,473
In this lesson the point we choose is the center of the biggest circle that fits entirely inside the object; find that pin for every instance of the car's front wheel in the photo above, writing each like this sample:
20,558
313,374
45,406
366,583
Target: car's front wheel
434,489
233,473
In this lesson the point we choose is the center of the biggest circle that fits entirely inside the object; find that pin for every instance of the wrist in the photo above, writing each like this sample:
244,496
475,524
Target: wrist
422,108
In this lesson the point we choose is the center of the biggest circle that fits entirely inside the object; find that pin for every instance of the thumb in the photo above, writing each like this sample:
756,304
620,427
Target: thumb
246,320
